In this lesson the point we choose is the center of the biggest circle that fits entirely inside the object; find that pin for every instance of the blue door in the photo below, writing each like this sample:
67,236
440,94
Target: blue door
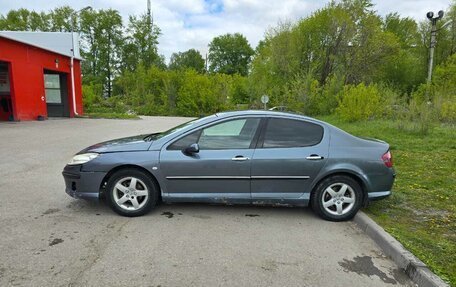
289,155
220,170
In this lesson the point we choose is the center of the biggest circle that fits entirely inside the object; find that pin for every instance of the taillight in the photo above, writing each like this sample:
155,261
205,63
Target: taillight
388,159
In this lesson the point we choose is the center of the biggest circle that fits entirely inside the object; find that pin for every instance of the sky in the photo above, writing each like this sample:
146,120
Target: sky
187,24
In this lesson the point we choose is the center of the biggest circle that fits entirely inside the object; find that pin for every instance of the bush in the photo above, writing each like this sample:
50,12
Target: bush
91,95
392,102
359,102
326,101
304,94
418,118
447,112
439,98
203,94
239,92
297,94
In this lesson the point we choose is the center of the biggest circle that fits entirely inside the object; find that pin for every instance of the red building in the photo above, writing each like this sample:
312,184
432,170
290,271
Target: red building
36,79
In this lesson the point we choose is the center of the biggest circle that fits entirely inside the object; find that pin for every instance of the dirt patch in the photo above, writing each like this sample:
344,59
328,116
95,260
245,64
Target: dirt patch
363,265
55,241
168,214
201,216
51,211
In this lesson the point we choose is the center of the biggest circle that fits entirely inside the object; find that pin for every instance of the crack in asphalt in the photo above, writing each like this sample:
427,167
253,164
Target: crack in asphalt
98,244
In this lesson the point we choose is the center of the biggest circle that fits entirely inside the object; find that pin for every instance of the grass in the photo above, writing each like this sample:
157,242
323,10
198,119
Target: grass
421,211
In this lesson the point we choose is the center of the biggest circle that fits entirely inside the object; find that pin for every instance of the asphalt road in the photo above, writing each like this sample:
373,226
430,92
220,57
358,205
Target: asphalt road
50,239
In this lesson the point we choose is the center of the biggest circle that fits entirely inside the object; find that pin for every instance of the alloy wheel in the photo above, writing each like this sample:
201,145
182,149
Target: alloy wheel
130,193
338,199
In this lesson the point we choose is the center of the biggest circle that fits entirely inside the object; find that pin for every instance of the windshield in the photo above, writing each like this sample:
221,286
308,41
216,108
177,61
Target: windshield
156,136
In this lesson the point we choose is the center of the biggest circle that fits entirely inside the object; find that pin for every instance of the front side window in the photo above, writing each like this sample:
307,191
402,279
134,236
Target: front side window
185,141
234,134
285,133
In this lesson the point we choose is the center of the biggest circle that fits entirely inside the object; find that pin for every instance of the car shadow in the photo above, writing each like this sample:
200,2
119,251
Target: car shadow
199,209
206,211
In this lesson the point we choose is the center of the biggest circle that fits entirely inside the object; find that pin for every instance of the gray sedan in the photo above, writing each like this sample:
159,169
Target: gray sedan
248,157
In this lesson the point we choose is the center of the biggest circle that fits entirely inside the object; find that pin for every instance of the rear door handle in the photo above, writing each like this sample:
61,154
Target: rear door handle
240,158
314,157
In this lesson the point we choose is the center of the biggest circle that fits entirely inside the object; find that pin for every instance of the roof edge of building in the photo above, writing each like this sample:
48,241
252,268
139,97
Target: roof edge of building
2,35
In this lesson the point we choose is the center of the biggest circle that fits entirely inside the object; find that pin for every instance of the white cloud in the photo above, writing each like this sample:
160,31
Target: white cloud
193,23
416,9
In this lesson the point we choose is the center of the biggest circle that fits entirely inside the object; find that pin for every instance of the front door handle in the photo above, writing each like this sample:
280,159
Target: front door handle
314,157
240,158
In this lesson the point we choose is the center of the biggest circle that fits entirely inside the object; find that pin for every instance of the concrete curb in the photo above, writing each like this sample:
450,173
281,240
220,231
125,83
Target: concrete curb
413,267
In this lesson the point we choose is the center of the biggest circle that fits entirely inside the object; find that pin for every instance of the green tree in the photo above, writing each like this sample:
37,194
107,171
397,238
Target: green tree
343,40
90,33
61,18
141,43
16,20
39,21
405,29
102,39
407,68
186,60
230,54
109,37
371,47
24,20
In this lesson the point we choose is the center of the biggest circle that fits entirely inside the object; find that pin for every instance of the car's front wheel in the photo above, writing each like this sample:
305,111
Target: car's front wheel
337,198
131,192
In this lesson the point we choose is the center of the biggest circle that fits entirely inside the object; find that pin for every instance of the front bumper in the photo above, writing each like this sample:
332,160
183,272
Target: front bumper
82,184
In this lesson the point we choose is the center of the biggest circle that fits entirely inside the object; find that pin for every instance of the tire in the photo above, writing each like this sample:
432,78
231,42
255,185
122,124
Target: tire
337,198
131,192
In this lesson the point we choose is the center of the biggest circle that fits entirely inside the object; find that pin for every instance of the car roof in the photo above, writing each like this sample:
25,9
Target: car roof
226,115
265,113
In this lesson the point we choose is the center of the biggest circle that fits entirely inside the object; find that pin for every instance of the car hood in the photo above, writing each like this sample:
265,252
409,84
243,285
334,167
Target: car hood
134,143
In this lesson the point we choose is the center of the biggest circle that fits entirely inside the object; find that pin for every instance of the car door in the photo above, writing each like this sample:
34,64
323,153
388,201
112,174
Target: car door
290,153
220,171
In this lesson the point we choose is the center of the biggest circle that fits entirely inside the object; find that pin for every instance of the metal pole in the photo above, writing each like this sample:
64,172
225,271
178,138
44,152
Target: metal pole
73,90
431,51
430,16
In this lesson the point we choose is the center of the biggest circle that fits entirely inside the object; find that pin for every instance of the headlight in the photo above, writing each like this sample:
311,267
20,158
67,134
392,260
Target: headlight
82,158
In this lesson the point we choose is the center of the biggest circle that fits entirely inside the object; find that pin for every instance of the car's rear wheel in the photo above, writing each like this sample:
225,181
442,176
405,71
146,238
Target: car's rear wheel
131,192
337,198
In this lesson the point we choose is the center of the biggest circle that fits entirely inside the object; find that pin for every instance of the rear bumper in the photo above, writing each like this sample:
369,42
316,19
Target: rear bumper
380,184
372,196
80,184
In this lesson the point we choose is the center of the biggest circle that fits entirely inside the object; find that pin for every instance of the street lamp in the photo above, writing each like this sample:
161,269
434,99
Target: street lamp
430,16
72,55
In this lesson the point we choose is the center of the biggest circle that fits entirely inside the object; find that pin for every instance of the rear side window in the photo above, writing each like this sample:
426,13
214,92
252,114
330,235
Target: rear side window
284,133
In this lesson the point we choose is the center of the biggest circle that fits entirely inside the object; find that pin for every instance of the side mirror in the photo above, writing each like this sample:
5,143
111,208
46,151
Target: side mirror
191,149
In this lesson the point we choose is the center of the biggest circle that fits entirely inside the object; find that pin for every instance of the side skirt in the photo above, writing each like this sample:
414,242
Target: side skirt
275,199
